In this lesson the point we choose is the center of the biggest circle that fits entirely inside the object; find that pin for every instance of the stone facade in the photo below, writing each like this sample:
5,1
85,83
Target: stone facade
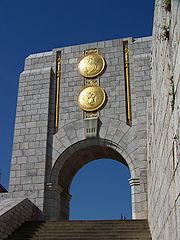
28,164
42,167
164,124
44,162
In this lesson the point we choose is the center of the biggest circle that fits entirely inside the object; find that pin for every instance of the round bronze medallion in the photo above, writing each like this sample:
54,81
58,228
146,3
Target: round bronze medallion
91,98
91,65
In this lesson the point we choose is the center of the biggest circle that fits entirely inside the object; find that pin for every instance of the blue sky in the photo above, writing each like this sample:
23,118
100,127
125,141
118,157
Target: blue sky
40,25
101,190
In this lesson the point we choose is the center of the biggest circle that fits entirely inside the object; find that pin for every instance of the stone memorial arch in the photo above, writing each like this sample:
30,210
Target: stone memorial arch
77,104
76,156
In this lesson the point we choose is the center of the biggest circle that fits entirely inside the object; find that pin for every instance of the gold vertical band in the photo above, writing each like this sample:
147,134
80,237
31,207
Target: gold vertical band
127,83
58,78
90,82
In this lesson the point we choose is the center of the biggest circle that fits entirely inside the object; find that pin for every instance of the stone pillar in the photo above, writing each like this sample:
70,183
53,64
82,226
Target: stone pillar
56,204
29,160
65,202
52,201
135,197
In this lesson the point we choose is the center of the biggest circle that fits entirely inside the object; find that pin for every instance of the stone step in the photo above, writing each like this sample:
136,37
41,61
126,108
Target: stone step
82,228
89,230
90,238
91,225
84,238
84,222
85,230
124,234
92,230
95,236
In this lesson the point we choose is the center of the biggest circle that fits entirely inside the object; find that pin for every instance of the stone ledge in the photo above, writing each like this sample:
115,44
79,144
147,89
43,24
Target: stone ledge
14,212
39,55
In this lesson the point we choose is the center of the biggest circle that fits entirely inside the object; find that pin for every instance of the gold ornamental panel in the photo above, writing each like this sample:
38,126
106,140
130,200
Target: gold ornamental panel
91,65
91,98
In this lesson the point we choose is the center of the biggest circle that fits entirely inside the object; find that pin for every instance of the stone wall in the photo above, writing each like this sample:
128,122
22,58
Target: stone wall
37,147
13,213
38,153
28,165
113,128
164,125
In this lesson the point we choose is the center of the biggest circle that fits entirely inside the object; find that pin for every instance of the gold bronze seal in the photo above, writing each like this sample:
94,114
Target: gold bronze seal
91,65
91,98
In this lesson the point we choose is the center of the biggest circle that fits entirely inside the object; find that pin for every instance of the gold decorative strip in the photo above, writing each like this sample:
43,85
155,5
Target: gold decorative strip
58,78
91,50
90,82
127,83
90,114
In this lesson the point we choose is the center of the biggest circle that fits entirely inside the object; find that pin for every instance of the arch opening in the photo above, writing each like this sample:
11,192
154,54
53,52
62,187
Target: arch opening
80,158
100,190
57,194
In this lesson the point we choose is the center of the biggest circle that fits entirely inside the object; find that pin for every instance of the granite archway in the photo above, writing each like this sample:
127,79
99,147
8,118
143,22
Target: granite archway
57,197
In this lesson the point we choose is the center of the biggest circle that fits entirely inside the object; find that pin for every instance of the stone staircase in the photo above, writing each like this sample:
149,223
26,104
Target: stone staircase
86,230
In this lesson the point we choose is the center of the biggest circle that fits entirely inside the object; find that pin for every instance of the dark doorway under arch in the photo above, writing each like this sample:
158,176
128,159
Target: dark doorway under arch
100,190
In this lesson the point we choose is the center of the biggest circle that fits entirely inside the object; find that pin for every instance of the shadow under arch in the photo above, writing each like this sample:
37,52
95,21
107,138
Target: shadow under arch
80,158
57,197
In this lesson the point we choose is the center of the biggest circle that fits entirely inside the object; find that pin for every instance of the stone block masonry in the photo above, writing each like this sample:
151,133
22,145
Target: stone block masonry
40,154
44,162
30,136
164,125
112,116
